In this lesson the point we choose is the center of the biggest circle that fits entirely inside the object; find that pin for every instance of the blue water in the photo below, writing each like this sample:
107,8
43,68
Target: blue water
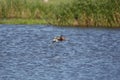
27,53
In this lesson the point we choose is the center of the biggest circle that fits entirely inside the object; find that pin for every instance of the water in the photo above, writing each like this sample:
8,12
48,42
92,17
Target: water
27,53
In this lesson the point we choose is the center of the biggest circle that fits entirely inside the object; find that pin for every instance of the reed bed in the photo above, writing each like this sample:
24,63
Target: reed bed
90,13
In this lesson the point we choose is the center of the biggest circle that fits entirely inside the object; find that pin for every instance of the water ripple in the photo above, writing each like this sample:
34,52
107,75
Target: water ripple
27,53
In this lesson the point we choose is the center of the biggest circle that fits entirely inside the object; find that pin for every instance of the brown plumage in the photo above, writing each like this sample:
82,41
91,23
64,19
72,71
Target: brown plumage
59,38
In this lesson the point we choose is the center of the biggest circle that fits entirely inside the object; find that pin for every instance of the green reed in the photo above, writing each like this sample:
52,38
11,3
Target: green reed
103,13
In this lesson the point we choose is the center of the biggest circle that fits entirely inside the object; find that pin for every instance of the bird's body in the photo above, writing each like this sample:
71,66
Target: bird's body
59,38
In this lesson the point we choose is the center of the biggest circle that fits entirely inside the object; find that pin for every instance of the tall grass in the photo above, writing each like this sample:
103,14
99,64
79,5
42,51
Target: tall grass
98,12
64,12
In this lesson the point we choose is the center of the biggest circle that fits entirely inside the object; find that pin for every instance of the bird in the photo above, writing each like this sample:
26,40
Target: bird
58,38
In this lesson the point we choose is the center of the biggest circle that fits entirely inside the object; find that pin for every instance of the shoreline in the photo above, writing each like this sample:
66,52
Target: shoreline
44,22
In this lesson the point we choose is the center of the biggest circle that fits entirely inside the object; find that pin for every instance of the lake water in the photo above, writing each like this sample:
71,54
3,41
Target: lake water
27,53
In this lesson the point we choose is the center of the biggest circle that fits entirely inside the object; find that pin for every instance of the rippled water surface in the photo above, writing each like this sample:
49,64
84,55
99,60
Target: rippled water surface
27,53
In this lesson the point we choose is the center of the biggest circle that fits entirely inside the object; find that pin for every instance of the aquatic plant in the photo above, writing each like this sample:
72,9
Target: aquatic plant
105,13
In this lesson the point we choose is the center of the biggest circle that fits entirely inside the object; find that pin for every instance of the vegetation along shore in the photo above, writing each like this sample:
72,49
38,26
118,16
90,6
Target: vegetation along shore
97,13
